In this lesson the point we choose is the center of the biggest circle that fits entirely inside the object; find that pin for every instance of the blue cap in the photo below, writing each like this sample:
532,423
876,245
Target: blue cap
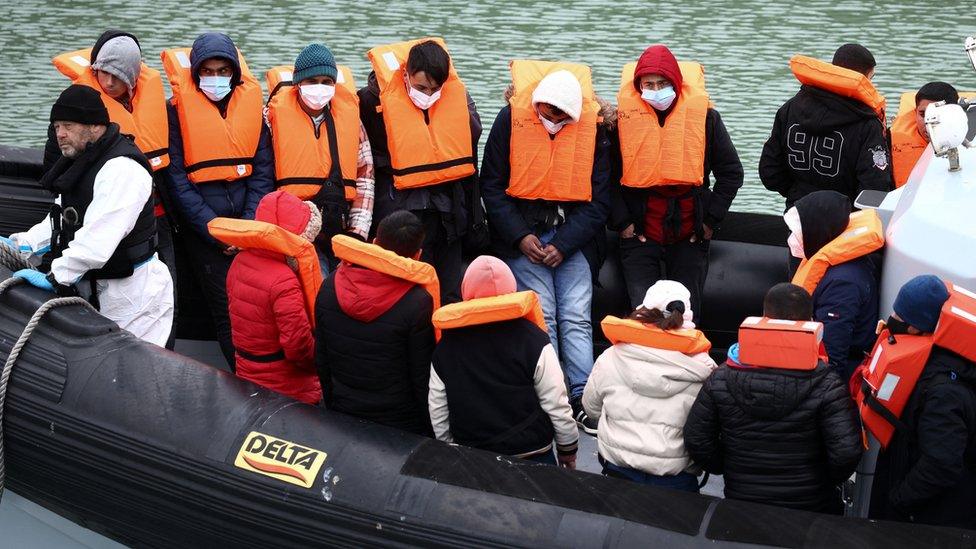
315,60
919,302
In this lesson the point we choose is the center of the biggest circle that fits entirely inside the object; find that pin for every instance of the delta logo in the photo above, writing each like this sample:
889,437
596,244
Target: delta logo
280,459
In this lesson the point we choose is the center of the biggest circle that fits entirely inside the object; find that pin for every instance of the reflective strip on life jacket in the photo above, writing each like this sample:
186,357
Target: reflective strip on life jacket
674,154
147,122
863,235
560,167
776,343
622,330
384,261
303,161
215,148
844,82
248,234
426,147
486,310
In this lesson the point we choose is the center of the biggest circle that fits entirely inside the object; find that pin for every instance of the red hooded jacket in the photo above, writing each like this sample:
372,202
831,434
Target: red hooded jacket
267,310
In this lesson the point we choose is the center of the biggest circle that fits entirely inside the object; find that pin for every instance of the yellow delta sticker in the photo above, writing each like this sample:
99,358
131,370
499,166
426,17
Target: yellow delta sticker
280,459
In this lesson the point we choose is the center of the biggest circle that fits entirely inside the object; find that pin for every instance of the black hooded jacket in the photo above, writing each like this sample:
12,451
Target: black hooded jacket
780,437
823,141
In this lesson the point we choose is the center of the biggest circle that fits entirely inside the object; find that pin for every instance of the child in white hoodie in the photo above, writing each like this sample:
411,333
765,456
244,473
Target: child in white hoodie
643,387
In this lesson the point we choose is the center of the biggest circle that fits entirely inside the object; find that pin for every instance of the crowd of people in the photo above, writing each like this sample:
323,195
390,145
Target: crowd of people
327,225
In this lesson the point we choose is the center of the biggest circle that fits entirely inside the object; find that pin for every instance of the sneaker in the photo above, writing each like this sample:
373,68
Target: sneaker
588,425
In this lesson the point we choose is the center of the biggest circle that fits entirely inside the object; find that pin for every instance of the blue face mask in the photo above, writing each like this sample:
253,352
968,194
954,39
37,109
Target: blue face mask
215,87
659,99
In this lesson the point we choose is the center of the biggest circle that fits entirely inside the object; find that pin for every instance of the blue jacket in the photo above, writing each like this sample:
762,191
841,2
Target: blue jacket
512,218
846,302
199,203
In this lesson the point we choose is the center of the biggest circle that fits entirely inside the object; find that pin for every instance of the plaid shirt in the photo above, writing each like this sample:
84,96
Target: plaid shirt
361,213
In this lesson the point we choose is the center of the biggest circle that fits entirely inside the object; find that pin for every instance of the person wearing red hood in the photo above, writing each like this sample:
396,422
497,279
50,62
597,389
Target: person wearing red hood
669,142
270,326
374,337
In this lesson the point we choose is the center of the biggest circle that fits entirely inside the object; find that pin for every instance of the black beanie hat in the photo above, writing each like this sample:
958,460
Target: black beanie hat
80,104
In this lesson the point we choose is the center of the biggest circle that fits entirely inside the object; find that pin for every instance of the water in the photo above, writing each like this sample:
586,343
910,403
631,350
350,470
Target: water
744,45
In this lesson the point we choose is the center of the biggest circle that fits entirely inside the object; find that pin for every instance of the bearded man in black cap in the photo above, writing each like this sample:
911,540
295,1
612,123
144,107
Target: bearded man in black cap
101,229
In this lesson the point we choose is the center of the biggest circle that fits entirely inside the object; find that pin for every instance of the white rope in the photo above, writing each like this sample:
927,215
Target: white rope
11,259
15,352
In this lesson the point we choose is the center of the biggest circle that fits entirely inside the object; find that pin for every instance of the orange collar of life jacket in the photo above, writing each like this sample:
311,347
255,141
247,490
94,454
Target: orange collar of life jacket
863,235
844,82
147,122
671,155
302,156
622,330
426,147
775,343
486,310
907,144
250,234
560,167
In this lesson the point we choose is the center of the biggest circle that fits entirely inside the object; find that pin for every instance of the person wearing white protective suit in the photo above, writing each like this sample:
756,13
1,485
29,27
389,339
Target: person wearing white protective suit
101,229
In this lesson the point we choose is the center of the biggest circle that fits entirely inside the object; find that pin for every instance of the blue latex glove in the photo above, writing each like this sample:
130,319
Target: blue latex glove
8,242
37,278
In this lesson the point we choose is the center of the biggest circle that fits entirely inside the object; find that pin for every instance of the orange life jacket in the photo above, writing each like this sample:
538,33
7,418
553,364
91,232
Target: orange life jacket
843,82
384,261
302,154
897,362
560,167
776,343
864,234
248,233
674,154
147,122
215,148
426,148
907,144
486,310
622,330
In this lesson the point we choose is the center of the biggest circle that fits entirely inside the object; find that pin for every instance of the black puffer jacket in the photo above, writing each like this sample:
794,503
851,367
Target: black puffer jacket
780,437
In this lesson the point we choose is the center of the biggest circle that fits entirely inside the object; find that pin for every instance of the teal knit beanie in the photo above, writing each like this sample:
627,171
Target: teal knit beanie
315,60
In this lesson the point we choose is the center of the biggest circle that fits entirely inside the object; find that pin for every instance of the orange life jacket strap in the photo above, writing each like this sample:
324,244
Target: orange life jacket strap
775,343
622,330
487,310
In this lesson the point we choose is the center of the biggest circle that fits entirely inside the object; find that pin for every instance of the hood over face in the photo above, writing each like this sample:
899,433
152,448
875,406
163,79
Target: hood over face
214,44
658,373
824,215
105,37
364,294
820,111
658,59
284,210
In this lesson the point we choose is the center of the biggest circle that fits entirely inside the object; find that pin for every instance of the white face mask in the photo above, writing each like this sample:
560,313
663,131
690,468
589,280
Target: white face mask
215,87
419,98
316,96
795,240
552,127
659,99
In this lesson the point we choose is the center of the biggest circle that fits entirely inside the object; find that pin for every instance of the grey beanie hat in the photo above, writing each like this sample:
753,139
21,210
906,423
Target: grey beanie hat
122,58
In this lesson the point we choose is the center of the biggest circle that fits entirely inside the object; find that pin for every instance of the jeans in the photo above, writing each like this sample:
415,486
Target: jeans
685,262
686,482
566,293
210,265
547,458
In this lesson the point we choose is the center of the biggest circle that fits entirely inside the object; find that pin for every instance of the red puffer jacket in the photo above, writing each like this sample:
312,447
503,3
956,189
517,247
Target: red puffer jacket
267,311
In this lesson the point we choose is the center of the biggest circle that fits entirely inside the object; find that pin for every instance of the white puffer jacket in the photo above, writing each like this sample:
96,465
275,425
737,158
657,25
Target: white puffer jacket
642,396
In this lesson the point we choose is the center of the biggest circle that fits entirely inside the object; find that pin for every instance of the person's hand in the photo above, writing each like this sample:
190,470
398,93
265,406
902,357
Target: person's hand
553,256
566,460
707,233
531,247
231,250
36,278
630,233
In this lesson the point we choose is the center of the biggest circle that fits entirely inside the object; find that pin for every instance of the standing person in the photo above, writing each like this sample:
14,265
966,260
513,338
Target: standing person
373,334
909,136
780,434
927,474
423,128
321,152
269,296
101,229
495,380
644,385
831,134
132,92
841,271
545,180
220,158
669,142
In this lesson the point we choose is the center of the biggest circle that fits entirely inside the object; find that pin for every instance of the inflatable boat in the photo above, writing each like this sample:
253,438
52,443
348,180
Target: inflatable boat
151,448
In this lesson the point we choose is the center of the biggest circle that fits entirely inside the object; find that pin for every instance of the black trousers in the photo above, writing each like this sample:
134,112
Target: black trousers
167,254
210,266
443,253
644,263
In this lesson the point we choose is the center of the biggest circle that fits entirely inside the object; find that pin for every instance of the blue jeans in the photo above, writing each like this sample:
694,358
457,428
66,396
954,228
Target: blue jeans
682,481
566,293
547,458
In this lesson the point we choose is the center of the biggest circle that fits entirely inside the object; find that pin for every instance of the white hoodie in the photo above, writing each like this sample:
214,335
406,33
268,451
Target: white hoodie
644,395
